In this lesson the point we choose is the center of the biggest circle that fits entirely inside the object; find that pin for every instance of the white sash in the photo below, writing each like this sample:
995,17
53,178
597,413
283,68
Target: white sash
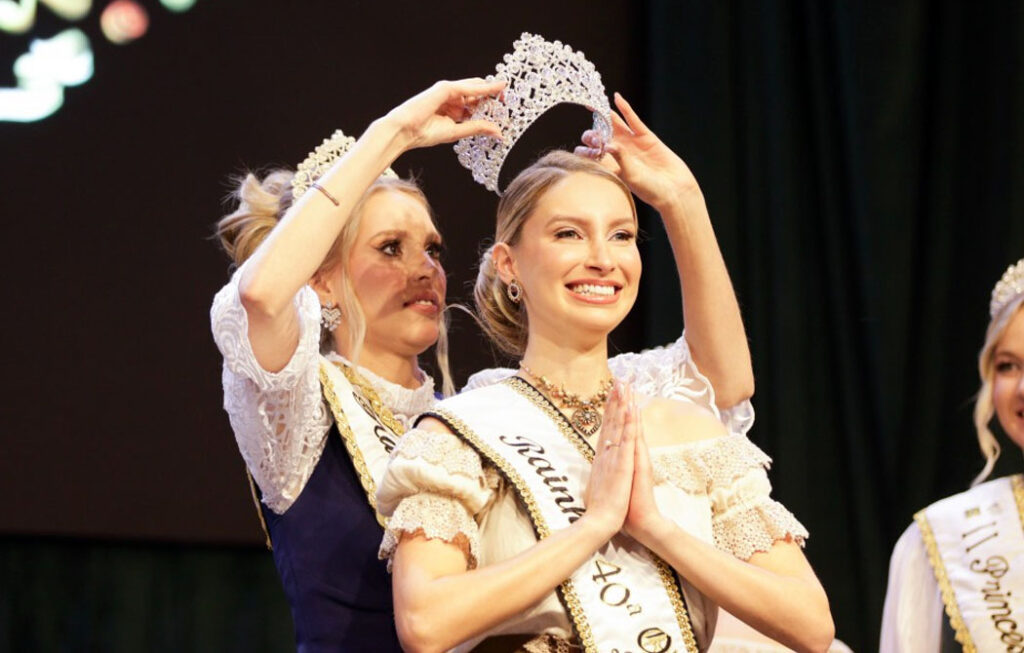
624,599
366,425
975,544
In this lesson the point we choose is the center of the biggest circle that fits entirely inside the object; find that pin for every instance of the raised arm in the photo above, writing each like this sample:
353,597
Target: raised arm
438,599
295,249
655,174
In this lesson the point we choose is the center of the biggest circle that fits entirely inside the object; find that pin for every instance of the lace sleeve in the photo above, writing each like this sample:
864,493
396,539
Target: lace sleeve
279,418
671,372
434,486
745,519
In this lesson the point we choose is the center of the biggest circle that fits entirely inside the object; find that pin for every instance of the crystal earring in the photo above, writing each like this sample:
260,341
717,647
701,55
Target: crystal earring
330,316
514,291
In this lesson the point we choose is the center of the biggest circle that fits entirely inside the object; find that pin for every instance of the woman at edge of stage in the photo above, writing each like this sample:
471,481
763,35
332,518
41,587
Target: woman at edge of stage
914,619
441,509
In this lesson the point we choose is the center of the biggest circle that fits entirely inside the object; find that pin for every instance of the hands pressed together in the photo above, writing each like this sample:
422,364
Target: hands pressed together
620,494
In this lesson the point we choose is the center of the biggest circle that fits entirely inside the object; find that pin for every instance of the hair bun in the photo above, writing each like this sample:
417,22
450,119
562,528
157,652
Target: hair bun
260,206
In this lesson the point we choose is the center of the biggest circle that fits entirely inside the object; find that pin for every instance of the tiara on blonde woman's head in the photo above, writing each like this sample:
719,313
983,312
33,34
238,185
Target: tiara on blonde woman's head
1008,288
539,75
320,159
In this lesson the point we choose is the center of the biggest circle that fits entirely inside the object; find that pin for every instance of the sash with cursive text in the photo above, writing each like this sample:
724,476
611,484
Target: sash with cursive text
975,544
367,426
624,598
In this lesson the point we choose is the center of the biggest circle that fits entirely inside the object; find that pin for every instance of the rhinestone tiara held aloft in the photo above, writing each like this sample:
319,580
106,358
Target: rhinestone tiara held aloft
539,75
320,159
1008,288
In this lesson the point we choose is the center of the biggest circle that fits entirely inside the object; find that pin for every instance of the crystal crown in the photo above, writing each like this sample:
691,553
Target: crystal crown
1008,288
539,75
320,159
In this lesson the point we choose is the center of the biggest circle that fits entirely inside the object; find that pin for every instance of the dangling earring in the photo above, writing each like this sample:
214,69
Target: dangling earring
330,316
514,291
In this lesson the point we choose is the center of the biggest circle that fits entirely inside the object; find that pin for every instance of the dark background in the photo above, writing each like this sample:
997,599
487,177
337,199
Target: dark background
862,165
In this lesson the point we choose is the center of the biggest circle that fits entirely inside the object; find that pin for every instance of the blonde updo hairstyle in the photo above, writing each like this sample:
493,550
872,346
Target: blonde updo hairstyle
983,408
504,321
263,203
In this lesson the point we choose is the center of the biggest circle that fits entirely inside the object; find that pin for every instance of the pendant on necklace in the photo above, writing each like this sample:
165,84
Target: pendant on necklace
586,420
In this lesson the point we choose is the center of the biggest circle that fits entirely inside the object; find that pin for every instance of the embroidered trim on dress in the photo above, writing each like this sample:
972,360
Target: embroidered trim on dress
382,412
669,579
756,529
566,591
436,517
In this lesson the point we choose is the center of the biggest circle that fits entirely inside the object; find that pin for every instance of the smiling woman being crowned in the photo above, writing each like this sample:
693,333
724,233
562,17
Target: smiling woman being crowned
576,504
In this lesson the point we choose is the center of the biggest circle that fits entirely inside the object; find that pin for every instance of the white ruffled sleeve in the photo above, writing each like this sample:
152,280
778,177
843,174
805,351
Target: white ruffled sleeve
487,377
279,418
913,614
745,519
671,372
434,486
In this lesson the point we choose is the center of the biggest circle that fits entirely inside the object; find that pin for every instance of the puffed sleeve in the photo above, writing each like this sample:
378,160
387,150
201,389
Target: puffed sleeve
434,486
487,377
670,372
913,614
279,418
744,517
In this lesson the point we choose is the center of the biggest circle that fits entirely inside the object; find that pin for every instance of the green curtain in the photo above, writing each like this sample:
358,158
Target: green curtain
863,167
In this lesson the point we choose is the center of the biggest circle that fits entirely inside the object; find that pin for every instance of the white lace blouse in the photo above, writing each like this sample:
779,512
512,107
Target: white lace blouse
280,420
717,489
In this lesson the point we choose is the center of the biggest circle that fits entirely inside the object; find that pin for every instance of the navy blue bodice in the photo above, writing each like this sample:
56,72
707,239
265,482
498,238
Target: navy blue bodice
325,549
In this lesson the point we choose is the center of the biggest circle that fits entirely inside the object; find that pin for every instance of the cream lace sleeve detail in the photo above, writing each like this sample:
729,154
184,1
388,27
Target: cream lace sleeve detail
434,486
745,519
671,372
279,418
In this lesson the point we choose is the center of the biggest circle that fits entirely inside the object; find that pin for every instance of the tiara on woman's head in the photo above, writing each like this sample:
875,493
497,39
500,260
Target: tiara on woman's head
1008,288
320,159
539,75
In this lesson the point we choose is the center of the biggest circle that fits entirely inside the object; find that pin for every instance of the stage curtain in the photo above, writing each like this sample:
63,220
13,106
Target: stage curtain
863,167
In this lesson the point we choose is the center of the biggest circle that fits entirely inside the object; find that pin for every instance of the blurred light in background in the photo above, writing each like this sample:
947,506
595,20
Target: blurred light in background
19,17
123,21
51,64
178,5
43,72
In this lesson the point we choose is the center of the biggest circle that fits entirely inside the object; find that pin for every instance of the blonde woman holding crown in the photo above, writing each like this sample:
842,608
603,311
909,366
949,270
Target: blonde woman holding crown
956,579
339,289
577,505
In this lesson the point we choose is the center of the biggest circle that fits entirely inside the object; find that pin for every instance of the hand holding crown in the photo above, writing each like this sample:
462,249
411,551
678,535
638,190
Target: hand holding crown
442,113
650,168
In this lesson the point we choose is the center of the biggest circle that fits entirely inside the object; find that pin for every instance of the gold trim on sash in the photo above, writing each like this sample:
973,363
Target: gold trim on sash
668,577
380,410
956,620
259,510
1017,483
953,611
567,592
